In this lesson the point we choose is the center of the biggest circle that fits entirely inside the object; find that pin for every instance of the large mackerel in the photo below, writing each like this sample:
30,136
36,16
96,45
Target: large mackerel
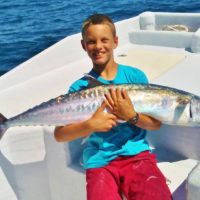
169,105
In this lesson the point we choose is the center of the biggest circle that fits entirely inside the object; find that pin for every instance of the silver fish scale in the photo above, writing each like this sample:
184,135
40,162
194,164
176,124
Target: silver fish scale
157,101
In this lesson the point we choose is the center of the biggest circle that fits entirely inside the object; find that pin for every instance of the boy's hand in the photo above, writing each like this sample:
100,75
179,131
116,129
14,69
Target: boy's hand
102,121
120,104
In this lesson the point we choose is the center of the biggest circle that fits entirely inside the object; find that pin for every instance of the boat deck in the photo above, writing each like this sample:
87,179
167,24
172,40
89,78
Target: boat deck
34,166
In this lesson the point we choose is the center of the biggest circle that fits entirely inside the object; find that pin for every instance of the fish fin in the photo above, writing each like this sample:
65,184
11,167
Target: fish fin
3,128
92,81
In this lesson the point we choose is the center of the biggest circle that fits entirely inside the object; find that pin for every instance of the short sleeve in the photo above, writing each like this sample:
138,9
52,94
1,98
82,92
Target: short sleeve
141,77
134,75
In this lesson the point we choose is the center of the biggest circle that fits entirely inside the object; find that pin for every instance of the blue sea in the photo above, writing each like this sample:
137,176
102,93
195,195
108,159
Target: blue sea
29,26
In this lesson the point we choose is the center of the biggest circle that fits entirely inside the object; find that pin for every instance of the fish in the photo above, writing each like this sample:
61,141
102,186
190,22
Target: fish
169,105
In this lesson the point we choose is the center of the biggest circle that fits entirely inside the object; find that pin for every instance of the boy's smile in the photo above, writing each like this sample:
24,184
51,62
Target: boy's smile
99,43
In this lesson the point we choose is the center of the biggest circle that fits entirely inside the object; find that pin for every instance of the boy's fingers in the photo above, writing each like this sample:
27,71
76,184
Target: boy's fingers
109,100
108,106
113,95
112,117
114,123
125,94
102,106
119,93
105,104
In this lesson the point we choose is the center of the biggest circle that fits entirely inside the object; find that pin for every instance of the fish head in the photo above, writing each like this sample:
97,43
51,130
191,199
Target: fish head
195,110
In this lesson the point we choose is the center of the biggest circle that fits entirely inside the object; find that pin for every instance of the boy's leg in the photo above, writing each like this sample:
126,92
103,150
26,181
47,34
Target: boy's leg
142,179
101,185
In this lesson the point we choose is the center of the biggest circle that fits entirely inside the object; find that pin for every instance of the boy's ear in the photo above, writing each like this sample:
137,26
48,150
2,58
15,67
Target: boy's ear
83,45
116,41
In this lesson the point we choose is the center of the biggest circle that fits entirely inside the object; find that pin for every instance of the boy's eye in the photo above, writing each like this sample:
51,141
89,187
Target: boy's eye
105,40
90,42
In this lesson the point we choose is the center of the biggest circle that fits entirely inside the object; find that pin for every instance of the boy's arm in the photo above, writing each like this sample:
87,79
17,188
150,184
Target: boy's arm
99,122
71,132
147,122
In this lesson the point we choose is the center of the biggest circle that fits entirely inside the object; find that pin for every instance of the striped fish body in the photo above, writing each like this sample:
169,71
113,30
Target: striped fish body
169,105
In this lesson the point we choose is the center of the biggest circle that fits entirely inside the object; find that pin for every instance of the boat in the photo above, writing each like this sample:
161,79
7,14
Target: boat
166,46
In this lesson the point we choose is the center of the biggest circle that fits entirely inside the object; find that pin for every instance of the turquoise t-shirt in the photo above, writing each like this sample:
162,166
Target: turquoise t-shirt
122,140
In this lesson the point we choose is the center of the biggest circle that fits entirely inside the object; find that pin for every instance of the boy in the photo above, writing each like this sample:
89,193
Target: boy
117,157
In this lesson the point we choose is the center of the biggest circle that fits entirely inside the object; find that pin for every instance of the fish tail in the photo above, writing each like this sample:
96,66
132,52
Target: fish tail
3,127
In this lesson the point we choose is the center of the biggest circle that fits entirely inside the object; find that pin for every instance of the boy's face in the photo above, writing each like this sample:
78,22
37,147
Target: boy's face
99,43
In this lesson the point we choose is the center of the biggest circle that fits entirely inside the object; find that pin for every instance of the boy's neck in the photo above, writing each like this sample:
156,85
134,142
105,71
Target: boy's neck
108,72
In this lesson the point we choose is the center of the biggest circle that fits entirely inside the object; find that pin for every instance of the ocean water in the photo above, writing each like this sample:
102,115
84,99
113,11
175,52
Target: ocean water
29,26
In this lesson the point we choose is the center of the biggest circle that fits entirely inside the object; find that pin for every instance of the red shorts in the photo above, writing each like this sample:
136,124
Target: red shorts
137,177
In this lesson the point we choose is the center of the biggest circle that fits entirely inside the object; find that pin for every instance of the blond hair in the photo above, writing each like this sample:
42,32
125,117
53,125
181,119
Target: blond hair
98,19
